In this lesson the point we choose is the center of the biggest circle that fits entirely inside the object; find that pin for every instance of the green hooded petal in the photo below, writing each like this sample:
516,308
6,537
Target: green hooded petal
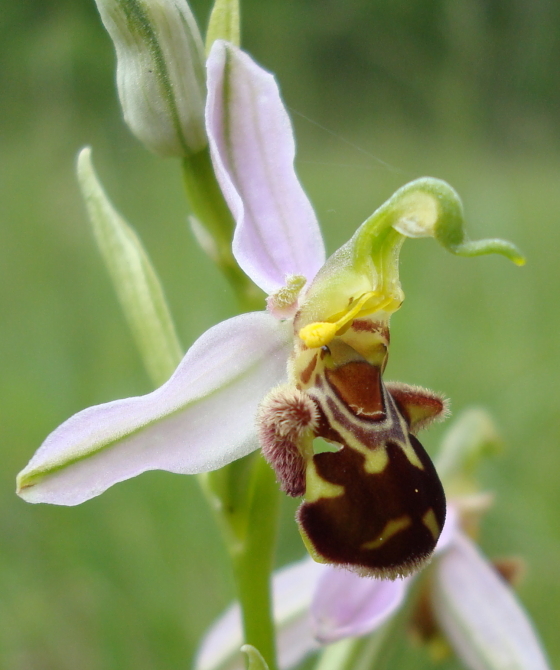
361,279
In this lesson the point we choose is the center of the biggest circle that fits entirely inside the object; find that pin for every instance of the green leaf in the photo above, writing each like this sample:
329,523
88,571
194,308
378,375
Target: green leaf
137,285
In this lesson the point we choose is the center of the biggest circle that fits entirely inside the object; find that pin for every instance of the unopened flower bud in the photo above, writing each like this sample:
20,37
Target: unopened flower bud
160,72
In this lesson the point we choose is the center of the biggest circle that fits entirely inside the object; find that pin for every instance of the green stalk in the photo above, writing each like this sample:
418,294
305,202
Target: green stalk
244,494
245,497
253,562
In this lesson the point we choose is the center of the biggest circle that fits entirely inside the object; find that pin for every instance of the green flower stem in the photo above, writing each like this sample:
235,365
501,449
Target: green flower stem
212,213
253,562
244,494
245,498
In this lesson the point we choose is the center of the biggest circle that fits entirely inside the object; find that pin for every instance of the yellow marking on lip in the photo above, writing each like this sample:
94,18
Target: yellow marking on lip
430,521
411,454
376,460
317,488
406,445
311,550
391,528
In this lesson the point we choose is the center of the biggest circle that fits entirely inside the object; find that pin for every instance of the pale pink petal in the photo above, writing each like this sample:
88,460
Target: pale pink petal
293,588
346,605
481,615
253,151
200,420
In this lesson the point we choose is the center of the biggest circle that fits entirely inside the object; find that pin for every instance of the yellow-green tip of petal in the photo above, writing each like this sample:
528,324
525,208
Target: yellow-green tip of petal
492,246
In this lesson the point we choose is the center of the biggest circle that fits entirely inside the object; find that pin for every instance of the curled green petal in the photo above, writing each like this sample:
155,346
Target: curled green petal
429,207
361,279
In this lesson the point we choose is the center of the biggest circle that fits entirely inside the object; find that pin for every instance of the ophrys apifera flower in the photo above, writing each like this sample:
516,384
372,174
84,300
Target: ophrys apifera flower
321,343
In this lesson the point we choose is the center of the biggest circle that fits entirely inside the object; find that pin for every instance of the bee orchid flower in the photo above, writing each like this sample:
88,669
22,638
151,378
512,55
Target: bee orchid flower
308,366
203,417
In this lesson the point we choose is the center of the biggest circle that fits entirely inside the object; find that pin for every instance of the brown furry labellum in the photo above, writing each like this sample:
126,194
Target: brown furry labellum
375,506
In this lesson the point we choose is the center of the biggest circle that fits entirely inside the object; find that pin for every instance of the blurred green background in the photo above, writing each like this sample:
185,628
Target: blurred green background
382,91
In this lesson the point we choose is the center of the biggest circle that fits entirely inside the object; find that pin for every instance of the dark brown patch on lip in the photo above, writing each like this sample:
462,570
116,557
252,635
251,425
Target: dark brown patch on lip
358,385
305,376
340,527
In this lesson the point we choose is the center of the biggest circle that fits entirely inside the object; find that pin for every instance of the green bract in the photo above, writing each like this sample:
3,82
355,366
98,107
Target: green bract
135,280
